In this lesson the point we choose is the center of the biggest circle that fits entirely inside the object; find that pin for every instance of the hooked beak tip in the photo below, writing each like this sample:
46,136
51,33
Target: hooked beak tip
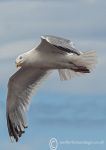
18,65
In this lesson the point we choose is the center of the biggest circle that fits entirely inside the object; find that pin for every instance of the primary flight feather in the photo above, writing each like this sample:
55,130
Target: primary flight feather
52,53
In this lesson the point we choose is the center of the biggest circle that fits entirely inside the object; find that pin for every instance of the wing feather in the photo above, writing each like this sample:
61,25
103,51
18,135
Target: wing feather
64,45
20,87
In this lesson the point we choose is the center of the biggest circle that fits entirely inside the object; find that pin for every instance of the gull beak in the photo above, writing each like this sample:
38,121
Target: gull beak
18,65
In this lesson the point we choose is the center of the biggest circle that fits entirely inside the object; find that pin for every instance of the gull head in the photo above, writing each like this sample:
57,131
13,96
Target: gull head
20,60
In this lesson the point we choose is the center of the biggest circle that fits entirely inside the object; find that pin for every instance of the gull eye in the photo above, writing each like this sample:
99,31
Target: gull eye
20,57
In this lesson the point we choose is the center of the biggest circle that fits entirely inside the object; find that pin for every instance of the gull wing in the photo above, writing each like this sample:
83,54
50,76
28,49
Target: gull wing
20,87
60,44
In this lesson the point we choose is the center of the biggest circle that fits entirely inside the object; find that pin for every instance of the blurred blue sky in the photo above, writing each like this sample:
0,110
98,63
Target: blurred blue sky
71,110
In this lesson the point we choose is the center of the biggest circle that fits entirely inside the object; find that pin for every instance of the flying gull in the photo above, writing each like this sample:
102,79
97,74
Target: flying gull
52,53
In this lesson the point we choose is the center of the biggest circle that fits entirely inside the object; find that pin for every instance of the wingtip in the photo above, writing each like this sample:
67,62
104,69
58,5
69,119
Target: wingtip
15,132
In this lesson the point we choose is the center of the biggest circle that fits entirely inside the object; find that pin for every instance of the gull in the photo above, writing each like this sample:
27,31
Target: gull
52,53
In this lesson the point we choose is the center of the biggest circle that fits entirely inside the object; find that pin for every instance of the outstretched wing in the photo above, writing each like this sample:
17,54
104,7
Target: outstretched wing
20,87
62,45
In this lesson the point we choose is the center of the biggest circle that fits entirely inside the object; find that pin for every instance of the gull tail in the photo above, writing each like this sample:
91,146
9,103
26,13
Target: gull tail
84,63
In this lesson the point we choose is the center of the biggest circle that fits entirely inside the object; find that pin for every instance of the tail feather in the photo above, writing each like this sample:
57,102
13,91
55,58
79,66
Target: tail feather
84,63
67,74
87,59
